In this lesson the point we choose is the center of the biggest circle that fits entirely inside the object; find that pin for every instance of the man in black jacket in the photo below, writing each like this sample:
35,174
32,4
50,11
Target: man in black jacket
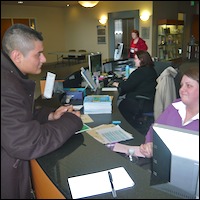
26,133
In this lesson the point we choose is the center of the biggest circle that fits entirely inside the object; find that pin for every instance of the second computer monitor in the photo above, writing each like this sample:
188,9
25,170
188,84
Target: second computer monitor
95,62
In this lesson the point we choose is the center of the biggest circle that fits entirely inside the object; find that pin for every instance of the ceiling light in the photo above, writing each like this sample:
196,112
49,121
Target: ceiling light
88,4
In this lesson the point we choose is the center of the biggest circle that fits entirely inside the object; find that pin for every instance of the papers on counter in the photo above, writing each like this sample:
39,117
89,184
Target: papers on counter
97,104
109,89
86,118
77,107
109,133
99,183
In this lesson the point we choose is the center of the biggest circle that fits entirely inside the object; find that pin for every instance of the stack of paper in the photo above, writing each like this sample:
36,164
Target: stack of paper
99,183
97,104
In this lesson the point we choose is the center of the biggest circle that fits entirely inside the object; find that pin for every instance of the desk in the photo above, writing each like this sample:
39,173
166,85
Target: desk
82,154
61,54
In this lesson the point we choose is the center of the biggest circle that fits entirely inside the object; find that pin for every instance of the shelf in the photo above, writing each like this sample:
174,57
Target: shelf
170,22
170,39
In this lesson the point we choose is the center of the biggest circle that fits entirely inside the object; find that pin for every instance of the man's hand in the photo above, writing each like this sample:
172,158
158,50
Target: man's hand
61,110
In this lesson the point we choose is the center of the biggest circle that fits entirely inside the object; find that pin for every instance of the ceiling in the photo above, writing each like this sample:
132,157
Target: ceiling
41,3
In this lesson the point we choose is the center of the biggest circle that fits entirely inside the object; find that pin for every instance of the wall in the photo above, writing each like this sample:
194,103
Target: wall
83,23
75,26
49,21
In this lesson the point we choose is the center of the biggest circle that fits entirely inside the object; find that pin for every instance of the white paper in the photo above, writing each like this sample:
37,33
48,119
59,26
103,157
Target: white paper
77,107
48,89
114,134
109,89
98,183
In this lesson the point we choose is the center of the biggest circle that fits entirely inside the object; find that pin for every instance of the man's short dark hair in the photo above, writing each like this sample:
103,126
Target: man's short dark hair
20,37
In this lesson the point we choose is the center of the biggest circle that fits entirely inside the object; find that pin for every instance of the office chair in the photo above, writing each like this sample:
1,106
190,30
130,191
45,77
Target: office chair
166,93
70,57
81,57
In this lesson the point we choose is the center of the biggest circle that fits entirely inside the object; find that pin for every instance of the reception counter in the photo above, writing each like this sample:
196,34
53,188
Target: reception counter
82,154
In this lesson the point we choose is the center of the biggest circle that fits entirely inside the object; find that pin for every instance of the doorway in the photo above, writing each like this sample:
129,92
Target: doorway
120,26
123,28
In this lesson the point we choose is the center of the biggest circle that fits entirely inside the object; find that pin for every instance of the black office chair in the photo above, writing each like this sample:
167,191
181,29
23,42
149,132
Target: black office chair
144,120
70,57
81,57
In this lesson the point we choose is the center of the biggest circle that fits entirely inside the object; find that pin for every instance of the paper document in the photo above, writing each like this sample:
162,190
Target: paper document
99,183
114,134
109,89
123,148
77,107
86,118
109,133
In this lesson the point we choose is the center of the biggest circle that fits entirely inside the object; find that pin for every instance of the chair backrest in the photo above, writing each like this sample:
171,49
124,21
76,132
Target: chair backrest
165,90
160,66
82,57
71,56
82,50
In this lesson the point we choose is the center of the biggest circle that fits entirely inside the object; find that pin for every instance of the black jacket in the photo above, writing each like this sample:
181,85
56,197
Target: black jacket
142,81
26,133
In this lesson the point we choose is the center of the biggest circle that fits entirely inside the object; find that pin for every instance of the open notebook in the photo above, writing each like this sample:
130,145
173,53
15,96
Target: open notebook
99,183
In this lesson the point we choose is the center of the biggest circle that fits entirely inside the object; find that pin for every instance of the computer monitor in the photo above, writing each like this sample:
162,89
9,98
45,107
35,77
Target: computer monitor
118,51
95,62
175,167
88,78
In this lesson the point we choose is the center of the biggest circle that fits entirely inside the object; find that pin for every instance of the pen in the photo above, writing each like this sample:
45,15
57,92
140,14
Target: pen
112,186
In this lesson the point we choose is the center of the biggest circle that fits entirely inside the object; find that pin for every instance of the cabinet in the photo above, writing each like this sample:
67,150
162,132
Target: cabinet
170,39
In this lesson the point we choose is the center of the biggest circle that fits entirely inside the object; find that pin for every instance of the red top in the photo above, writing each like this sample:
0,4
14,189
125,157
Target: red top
140,45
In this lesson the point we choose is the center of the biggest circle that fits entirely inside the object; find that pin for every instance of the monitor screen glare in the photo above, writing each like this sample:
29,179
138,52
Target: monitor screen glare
95,62
88,78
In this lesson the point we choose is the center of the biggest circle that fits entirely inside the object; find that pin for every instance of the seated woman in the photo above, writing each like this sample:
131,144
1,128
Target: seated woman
141,81
183,113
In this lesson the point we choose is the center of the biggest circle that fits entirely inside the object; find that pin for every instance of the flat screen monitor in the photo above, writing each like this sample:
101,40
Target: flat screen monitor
88,78
175,167
95,62
118,51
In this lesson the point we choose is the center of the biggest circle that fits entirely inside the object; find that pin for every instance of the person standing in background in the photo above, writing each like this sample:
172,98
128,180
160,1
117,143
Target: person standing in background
137,44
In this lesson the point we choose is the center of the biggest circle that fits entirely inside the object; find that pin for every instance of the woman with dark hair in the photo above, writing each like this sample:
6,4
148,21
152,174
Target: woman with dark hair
137,43
141,81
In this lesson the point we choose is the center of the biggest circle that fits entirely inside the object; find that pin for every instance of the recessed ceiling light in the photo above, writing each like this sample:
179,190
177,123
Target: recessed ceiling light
20,2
